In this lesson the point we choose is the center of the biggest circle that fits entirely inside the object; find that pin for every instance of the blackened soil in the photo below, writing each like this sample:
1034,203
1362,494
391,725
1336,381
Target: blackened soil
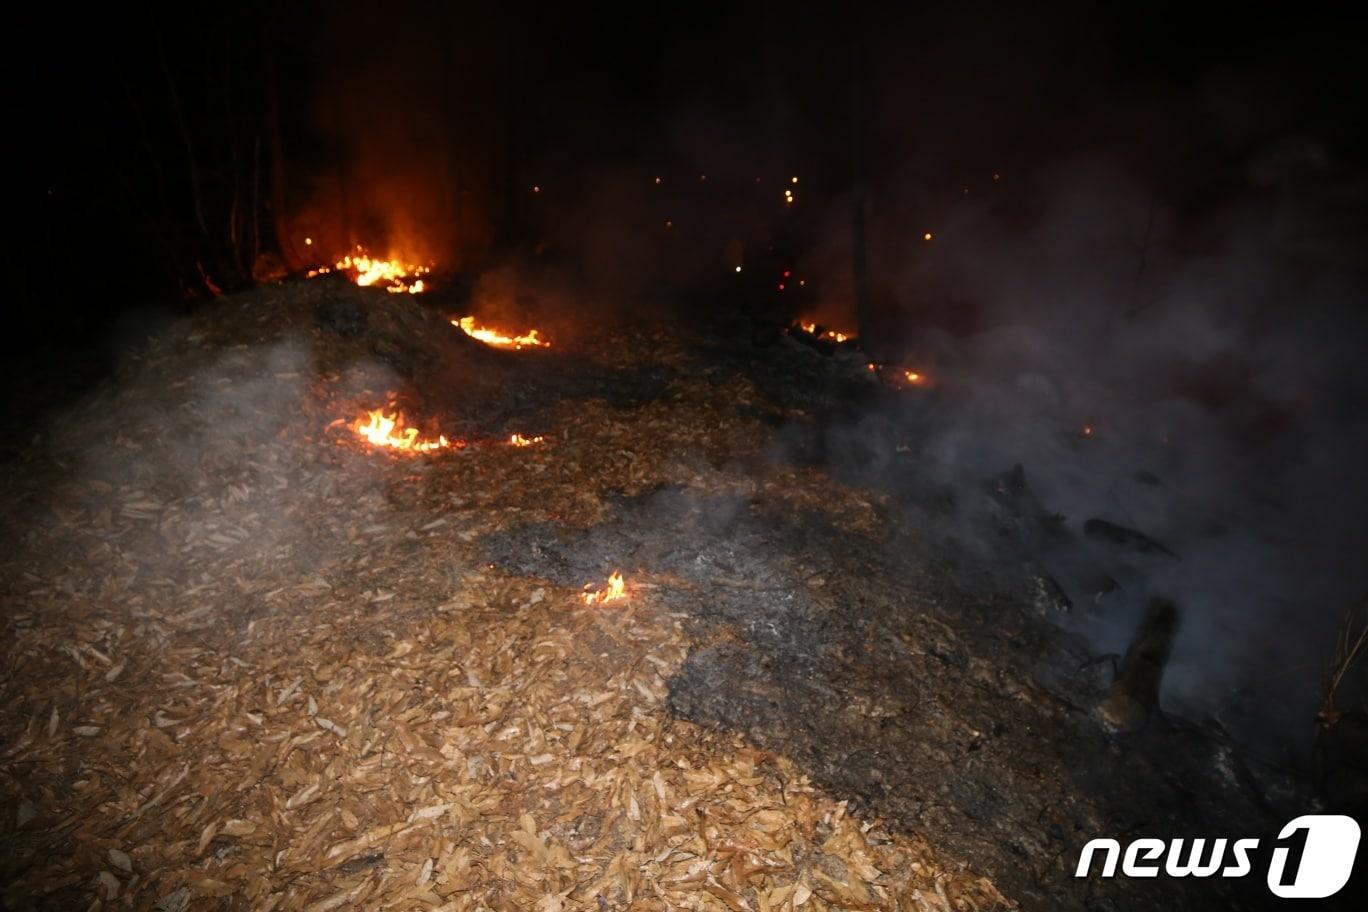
960,715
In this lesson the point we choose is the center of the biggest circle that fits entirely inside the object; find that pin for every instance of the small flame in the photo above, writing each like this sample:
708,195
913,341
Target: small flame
912,377
381,429
830,334
498,338
518,440
615,591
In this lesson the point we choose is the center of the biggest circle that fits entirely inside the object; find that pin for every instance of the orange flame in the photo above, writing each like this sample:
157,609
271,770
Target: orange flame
615,591
812,329
390,431
518,440
498,338
898,377
394,275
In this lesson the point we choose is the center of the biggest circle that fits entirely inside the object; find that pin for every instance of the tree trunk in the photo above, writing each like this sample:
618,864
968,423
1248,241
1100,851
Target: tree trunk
859,252
275,150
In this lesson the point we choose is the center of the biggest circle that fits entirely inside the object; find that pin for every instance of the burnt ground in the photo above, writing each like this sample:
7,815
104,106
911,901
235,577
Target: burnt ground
202,564
946,711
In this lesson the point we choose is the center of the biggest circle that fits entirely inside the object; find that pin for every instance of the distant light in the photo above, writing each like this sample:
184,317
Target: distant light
657,180
793,179
669,224
738,268
787,273
1087,430
781,286
536,189
308,242
802,281
927,236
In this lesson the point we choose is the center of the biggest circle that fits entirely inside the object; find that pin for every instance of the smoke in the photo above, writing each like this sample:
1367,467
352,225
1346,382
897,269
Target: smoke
1193,377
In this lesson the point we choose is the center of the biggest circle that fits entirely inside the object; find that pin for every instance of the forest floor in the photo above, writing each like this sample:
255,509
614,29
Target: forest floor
251,661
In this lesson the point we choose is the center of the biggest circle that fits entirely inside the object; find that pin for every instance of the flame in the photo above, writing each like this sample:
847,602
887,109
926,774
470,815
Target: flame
898,377
390,431
394,275
812,329
518,440
616,590
498,338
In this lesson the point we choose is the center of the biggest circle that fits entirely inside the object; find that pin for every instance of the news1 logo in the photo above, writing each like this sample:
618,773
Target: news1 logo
1312,858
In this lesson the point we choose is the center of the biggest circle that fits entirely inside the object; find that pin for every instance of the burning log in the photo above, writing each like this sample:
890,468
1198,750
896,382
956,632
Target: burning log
1134,695
1129,538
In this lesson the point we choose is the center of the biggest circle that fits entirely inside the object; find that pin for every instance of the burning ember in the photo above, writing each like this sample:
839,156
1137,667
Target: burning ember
616,590
518,440
498,338
384,430
395,276
812,329
898,377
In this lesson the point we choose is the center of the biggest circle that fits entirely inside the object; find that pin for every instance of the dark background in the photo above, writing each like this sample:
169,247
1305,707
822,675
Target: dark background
121,116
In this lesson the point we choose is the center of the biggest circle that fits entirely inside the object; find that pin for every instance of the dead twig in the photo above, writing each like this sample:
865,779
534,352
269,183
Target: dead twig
1349,648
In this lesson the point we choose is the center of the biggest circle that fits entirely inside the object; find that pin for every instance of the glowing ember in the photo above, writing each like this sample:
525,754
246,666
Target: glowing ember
616,590
518,440
395,276
390,431
898,377
498,338
812,329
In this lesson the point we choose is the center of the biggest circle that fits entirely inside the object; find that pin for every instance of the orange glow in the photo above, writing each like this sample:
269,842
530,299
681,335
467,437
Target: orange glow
499,338
615,590
830,335
912,377
380,429
927,236
518,440
394,275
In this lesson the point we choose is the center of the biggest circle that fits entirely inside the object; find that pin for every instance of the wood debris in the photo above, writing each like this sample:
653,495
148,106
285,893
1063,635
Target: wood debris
251,665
